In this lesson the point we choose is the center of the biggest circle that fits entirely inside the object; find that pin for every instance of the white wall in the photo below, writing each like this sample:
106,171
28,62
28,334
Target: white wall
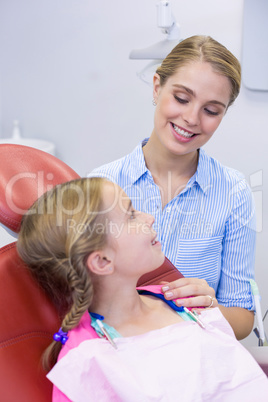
66,76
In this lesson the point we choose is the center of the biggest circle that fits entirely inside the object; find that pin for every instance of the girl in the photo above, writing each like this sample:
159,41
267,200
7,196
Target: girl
87,246
204,214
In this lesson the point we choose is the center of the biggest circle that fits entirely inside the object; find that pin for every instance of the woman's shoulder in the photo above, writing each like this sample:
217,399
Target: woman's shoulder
218,170
109,170
122,166
123,171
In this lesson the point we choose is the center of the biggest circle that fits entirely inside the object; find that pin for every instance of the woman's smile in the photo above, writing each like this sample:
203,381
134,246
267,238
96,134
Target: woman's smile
190,107
182,134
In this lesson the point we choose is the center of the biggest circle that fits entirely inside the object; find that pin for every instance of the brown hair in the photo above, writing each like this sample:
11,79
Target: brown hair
206,49
57,234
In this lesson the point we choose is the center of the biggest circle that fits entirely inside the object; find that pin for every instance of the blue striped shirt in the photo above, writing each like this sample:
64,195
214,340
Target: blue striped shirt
207,230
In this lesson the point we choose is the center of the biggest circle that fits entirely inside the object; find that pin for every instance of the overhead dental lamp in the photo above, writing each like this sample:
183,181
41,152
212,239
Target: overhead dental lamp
157,52
167,23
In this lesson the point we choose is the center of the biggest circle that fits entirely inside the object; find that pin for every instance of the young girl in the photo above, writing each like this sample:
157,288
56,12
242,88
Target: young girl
204,214
87,247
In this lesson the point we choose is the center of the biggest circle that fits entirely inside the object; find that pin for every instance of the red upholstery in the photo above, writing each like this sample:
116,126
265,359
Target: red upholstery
25,174
167,272
28,322
28,318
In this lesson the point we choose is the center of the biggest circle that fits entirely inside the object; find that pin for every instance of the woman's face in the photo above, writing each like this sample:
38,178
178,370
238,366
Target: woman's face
130,234
190,107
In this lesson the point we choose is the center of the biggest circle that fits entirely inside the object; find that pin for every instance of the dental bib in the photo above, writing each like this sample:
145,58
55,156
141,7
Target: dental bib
181,362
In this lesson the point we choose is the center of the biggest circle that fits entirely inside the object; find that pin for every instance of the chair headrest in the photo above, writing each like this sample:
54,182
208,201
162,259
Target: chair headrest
25,174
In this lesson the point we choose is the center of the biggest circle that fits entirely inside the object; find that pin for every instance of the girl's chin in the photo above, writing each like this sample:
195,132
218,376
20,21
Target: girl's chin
160,261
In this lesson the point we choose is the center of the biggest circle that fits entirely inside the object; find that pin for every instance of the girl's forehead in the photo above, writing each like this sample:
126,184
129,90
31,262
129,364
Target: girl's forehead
114,198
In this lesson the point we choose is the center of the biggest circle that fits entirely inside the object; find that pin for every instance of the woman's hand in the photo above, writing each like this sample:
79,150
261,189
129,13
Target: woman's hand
196,293
191,292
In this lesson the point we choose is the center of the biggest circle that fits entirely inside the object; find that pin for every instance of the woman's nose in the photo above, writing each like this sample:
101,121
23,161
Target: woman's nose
191,116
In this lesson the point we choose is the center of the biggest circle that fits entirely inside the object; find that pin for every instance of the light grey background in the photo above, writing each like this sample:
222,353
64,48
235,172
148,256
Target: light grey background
66,76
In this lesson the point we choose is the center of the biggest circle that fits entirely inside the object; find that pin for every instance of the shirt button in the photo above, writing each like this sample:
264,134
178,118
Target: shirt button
168,209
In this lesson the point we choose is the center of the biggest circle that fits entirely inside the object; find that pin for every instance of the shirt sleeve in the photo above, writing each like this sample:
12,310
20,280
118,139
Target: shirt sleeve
238,253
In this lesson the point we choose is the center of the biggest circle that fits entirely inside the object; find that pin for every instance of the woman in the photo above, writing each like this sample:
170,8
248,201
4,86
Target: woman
204,213
87,246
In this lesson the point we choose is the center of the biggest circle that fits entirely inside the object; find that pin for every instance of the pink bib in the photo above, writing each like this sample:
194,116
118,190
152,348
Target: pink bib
181,362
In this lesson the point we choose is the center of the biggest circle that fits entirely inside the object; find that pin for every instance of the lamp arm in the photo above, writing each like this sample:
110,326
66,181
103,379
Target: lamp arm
166,20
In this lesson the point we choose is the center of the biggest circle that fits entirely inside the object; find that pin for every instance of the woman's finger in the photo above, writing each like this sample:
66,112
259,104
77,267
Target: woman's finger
199,302
188,291
179,283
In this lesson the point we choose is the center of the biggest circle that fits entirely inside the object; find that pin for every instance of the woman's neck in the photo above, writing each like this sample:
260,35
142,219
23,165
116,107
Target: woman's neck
170,172
161,161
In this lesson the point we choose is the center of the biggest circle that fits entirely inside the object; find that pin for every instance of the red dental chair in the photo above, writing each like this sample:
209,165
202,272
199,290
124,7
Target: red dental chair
28,318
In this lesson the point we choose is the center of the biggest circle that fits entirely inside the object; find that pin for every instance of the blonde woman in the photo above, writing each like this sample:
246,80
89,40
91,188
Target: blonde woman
203,211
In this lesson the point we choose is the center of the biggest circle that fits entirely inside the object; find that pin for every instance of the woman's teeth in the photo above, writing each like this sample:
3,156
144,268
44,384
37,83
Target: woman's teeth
185,134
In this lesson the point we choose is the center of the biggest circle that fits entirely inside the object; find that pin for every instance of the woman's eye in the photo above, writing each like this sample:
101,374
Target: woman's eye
180,100
210,112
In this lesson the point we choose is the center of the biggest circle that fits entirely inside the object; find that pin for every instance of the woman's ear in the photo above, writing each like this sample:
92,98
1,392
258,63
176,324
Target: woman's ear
156,86
100,263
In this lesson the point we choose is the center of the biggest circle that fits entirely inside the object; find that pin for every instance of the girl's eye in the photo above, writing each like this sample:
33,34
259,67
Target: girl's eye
180,100
132,214
210,112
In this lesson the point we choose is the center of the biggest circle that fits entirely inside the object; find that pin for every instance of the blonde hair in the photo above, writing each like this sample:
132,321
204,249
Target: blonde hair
57,234
205,49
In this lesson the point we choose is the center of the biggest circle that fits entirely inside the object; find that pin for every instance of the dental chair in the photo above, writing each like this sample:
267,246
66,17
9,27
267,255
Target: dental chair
28,317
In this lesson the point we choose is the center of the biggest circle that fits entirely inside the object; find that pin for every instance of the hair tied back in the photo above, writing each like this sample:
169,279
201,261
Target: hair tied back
61,336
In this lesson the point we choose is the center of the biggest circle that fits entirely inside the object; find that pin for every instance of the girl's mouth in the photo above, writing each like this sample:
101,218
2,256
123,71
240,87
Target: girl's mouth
154,241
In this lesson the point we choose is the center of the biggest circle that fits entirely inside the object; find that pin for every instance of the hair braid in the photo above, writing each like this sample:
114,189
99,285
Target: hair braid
81,293
57,235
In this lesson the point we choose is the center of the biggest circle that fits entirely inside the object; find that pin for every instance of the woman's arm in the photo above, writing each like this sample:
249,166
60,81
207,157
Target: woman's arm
233,295
234,292
240,319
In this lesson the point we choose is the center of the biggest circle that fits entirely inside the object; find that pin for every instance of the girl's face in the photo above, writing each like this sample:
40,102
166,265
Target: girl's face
130,234
190,107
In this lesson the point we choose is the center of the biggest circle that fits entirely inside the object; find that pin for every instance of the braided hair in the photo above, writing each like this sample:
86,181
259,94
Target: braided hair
57,234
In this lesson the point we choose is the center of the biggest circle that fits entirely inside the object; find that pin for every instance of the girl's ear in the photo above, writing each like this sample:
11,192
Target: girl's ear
156,86
100,263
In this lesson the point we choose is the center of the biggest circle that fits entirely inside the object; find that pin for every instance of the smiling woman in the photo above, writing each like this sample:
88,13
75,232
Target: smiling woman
189,109
204,212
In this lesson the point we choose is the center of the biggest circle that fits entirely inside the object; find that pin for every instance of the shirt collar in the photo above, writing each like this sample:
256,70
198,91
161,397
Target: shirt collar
201,176
137,161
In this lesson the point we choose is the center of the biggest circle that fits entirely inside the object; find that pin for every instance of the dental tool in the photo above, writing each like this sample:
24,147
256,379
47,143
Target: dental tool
260,330
105,333
194,317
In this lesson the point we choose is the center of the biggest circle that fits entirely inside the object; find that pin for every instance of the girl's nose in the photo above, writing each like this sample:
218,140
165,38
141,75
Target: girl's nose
148,219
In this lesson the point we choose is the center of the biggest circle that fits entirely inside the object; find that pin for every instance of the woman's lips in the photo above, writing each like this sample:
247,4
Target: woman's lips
180,134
